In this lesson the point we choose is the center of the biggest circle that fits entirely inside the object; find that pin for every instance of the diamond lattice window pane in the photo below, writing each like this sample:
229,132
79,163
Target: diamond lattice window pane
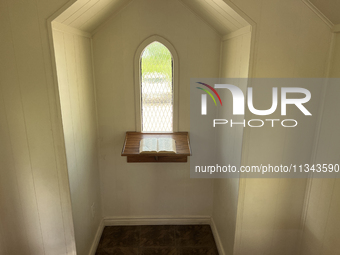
156,88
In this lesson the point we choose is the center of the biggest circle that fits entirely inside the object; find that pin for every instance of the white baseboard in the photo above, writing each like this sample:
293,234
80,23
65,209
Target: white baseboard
97,238
217,238
162,220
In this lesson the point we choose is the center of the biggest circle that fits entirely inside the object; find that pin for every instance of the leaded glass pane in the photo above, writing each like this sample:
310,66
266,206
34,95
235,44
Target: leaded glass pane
157,88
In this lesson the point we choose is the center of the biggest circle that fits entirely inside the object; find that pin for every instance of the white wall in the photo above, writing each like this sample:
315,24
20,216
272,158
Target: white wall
291,41
234,64
77,98
130,190
35,208
322,226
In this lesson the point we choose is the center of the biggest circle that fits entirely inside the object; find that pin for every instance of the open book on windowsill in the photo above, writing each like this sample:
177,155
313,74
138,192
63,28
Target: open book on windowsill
157,145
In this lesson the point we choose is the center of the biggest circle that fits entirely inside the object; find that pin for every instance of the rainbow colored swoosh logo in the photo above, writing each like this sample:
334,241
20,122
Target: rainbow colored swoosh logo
209,93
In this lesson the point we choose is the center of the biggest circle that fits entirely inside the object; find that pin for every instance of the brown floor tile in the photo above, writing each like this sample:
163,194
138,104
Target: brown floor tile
194,235
119,236
157,240
159,251
198,251
118,251
157,236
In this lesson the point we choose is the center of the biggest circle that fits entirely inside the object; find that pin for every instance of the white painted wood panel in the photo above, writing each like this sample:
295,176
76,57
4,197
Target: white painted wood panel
77,98
149,190
218,14
235,58
321,226
331,9
35,211
290,41
294,45
87,15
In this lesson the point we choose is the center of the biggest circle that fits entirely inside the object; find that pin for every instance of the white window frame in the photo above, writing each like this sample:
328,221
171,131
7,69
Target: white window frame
137,80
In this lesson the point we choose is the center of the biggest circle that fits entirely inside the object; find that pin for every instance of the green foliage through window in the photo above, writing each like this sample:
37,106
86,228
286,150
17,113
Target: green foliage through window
157,88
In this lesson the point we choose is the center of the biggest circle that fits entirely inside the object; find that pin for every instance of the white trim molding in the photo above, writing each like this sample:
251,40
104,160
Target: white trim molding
239,32
217,238
336,28
136,64
70,30
318,13
97,238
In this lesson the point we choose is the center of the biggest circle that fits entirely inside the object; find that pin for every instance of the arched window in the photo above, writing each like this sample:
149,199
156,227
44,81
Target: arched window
157,88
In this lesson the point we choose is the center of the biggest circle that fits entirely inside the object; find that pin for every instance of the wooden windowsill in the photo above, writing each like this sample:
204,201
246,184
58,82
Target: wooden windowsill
132,141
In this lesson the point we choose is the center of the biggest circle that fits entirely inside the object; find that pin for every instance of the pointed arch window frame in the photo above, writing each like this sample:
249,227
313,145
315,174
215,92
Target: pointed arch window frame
137,80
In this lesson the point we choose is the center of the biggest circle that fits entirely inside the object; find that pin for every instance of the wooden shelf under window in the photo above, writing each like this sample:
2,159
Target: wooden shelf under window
132,141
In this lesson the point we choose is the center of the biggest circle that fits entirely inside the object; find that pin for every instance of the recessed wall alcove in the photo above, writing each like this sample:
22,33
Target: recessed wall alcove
94,45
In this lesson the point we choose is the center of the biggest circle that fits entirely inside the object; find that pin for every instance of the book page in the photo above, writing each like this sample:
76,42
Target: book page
148,145
166,145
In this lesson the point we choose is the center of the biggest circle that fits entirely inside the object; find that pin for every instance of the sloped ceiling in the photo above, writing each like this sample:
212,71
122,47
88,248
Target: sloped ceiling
330,8
87,15
218,14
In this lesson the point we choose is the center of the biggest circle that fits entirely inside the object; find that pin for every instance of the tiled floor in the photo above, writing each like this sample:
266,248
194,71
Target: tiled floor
163,240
